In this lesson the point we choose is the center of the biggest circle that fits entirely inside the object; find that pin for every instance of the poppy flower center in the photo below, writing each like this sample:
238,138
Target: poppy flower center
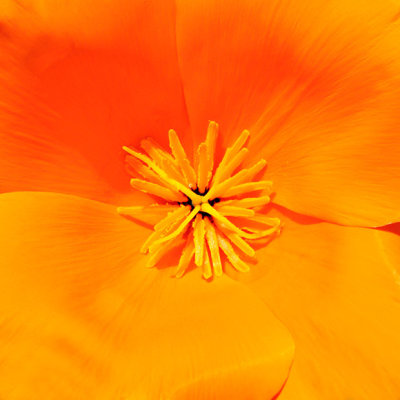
205,207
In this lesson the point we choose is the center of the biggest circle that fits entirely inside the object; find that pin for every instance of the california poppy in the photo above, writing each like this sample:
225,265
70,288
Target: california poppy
317,87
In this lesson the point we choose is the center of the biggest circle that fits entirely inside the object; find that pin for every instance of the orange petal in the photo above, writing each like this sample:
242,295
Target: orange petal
337,289
94,21
316,84
150,215
82,318
71,98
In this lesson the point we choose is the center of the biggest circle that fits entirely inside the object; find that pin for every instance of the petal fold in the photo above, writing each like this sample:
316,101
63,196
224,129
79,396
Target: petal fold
316,83
337,289
72,98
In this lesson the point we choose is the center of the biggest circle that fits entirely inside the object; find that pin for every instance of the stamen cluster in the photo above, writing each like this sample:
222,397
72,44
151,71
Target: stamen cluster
195,203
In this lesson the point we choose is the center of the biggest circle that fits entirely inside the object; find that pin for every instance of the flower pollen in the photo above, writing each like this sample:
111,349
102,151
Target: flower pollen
195,203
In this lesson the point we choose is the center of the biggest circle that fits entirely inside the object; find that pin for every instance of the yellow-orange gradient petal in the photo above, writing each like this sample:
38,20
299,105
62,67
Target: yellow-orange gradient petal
318,83
82,318
337,289
62,92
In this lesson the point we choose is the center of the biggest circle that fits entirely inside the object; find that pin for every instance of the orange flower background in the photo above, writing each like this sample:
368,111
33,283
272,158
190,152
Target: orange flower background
316,84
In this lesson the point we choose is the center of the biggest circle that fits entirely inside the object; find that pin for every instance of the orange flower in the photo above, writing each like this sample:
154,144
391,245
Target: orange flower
317,86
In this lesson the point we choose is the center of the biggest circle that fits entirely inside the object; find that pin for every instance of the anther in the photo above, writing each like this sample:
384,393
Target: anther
194,204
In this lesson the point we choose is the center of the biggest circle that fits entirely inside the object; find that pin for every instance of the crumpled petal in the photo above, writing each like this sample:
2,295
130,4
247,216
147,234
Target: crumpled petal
337,289
82,318
316,83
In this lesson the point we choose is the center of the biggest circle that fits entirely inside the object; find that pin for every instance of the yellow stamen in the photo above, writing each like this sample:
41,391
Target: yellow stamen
153,150
178,214
250,202
233,211
162,159
229,225
233,164
186,257
168,180
236,239
203,168
173,171
266,220
207,271
157,190
219,189
241,244
239,143
167,224
247,187
156,256
198,238
231,152
236,262
182,160
144,171
195,205
151,239
212,242
178,231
